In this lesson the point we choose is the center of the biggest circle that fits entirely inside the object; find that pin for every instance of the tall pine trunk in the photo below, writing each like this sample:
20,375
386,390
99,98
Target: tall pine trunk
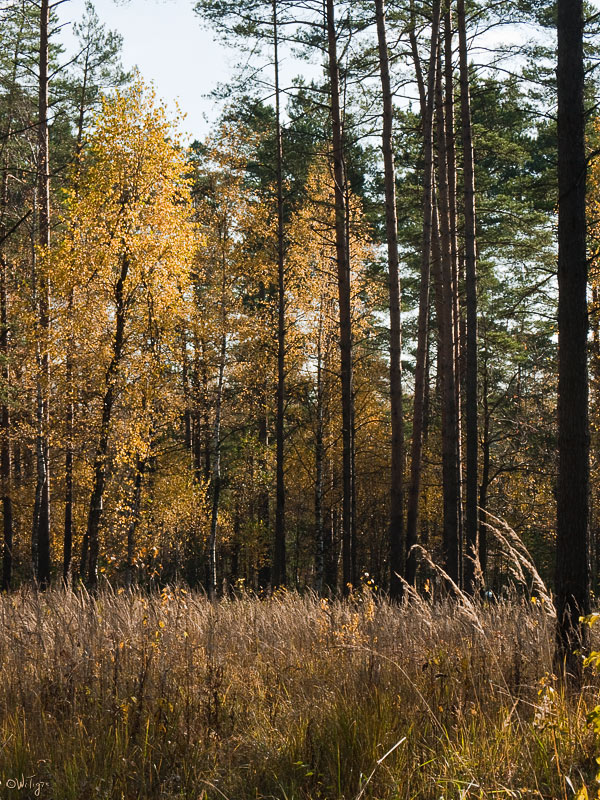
486,462
427,104
5,415
471,521
396,531
279,560
5,434
319,461
453,233
343,276
185,380
69,453
70,411
216,475
41,523
215,481
572,547
451,495
5,418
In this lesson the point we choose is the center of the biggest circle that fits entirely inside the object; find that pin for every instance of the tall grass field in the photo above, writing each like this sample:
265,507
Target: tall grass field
129,695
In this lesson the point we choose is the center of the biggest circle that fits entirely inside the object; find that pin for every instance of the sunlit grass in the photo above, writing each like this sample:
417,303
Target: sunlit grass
169,696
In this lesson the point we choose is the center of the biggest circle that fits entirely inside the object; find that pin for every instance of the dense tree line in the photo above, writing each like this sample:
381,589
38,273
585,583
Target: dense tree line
321,342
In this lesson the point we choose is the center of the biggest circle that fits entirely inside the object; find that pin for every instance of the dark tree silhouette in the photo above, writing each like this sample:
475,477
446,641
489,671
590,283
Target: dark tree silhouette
572,557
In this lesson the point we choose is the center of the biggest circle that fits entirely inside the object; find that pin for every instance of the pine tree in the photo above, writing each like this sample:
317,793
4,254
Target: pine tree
572,544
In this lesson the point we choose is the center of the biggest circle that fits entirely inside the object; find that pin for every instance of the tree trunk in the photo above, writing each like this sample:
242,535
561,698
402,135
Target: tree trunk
5,420
279,560
263,510
343,275
91,541
319,456
215,483
185,380
446,335
41,532
69,425
453,233
330,513
70,411
471,522
6,476
136,503
396,531
353,491
427,102
572,550
216,476
485,469
5,433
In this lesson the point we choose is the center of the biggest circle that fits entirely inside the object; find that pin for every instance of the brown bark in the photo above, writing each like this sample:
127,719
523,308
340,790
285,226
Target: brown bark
396,530
343,275
5,434
572,547
185,379
450,451
216,475
279,560
423,318
453,233
5,419
6,461
485,470
41,530
471,521
215,482
319,459
70,411
91,541
134,511
69,454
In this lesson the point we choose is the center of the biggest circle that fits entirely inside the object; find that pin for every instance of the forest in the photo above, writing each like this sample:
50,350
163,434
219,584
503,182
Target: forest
299,455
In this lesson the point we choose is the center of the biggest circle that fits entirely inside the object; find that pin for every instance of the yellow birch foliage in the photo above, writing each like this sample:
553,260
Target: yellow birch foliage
130,203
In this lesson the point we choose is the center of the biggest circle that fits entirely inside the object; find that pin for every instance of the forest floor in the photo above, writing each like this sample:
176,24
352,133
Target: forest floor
166,695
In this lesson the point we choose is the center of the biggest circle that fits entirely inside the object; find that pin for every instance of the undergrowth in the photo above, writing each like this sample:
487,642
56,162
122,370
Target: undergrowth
129,695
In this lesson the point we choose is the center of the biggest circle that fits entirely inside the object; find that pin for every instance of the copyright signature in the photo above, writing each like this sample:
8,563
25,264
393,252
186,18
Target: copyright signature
22,782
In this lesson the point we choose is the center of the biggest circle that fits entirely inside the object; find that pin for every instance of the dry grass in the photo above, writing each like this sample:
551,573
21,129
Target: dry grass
170,696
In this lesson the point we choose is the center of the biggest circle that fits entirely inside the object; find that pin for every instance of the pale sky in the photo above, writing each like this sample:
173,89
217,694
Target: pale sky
172,48
176,51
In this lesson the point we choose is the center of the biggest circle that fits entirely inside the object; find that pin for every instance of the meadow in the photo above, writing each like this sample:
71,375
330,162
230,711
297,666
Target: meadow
167,695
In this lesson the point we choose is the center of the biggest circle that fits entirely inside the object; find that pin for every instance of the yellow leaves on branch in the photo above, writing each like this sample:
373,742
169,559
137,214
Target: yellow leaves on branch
127,245
130,200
